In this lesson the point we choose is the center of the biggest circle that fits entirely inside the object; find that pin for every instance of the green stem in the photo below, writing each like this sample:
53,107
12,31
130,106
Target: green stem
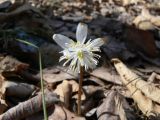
42,87
41,76
80,90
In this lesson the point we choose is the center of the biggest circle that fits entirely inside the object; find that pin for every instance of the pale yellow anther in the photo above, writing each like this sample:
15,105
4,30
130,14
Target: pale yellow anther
80,54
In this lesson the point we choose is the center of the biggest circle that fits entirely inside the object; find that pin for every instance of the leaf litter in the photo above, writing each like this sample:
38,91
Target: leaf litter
115,90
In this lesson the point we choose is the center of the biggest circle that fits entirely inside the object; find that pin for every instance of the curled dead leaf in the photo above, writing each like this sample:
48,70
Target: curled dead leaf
56,112
21,90
65,90
144,94
140,41
56,74
33,105
106,74
146,21
3,105
10,64
111,108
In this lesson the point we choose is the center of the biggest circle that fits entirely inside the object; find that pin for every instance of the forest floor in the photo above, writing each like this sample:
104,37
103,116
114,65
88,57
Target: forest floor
125,85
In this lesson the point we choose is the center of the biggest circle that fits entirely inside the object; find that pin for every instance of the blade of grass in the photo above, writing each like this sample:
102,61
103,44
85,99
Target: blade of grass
41,76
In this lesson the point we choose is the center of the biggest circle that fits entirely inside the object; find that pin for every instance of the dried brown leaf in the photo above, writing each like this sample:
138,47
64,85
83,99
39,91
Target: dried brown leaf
62,113
21,90
29,107
106,74
140,41
146,21
10,64
56,74
3,105
64,90
127,2
148,89
111,108
56,113
92,101
142,92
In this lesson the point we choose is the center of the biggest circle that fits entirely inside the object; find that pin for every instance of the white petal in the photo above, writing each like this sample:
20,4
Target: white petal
62,40
74,61
97,42
96,56
89,62
67,61
66,53
62,58
81,33
77,70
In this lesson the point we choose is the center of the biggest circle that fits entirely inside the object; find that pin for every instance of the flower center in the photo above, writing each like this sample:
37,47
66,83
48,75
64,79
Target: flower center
80,54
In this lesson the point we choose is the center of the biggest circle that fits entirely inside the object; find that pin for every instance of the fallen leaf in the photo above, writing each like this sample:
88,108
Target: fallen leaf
56,74
2,1
75,88
116,48
143,93
90,89
17,89
64,90
148,89
61,113
4,4
10,64
3,105
140,41
146,21
107,75
97,80
50,54
92,101
56,112
127,2
111,108
29,107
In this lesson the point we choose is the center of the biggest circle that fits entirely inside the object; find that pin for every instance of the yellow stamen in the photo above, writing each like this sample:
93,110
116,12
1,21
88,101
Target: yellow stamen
80,54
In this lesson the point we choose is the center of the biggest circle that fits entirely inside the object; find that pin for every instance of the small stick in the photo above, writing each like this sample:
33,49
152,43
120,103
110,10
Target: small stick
80,89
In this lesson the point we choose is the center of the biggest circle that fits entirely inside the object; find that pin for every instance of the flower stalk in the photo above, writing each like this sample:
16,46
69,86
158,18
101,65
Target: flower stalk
80,90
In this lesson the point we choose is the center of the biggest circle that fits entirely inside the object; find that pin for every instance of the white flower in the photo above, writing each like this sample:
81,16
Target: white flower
79,53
